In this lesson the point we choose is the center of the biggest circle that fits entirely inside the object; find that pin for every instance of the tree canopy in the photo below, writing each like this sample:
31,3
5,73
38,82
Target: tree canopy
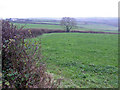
68,23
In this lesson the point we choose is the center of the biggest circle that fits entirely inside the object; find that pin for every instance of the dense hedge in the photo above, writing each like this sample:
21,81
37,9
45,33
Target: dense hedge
19,66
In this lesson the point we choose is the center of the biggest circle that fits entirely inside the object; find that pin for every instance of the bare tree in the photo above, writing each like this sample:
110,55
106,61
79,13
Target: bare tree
68,23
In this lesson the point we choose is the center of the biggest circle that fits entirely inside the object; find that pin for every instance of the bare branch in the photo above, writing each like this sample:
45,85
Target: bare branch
68,23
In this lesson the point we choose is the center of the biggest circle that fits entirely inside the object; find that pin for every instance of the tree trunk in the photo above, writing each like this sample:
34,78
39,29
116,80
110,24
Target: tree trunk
67,29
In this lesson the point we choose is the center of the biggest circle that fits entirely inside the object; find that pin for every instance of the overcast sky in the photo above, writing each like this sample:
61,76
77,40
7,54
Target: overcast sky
58,8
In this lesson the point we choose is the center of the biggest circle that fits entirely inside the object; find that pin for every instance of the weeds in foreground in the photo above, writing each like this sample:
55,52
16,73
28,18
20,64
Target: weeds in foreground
19,67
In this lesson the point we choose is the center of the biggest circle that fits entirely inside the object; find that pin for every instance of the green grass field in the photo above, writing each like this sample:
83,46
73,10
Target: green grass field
82,27
99,27
43,26
82,60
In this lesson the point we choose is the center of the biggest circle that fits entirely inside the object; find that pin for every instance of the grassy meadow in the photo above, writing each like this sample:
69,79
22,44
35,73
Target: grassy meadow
98,27
43,26
83,60
81,27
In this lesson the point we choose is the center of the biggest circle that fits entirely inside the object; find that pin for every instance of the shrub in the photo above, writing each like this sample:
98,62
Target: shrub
19,66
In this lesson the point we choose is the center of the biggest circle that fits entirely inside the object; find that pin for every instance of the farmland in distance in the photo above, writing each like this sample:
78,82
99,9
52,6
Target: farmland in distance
83,60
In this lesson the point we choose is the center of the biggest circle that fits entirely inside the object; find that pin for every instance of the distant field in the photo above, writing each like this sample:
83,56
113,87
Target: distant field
99,27
82,60
44,26
82,27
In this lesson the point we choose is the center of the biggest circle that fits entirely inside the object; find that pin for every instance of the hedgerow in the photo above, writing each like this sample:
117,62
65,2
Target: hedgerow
20,67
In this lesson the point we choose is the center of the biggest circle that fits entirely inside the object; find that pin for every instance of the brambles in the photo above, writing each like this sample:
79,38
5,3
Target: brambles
20,68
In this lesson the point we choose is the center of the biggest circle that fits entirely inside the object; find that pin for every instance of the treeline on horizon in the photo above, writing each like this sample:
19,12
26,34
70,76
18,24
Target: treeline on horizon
113,21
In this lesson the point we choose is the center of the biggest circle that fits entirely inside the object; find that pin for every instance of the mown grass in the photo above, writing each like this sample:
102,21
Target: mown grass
82,60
